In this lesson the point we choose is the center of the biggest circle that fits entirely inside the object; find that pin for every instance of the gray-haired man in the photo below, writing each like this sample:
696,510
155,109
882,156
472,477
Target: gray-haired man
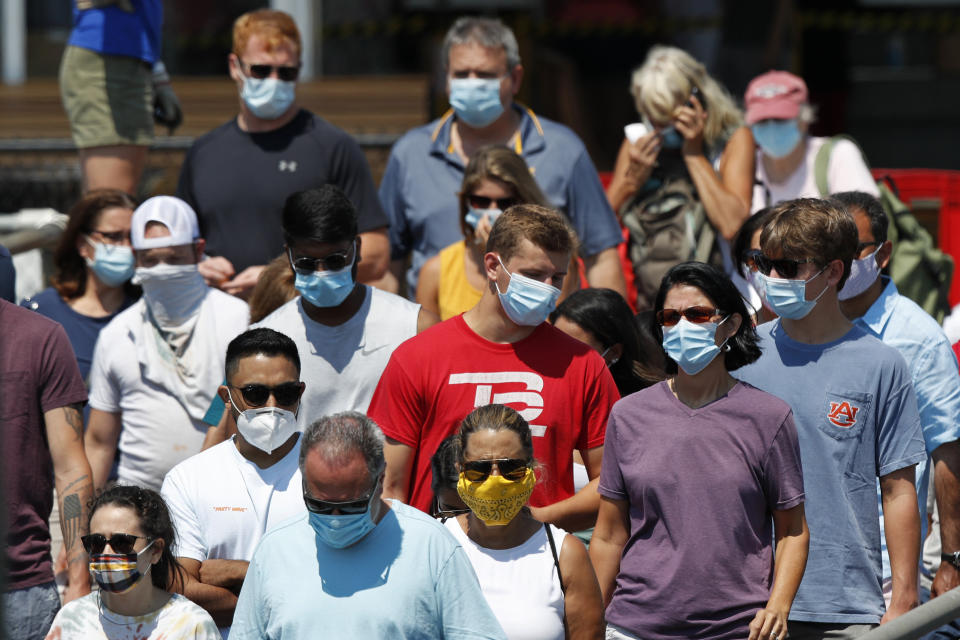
425,170
355,565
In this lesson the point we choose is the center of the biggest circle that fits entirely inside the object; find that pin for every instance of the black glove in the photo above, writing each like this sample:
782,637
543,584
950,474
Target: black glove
166,106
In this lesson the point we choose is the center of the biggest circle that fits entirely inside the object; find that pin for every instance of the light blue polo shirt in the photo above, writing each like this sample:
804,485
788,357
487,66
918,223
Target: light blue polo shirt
424,175
857,420
900,323
407,579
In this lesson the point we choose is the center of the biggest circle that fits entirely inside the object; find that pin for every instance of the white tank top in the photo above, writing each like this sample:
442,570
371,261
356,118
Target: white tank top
520,584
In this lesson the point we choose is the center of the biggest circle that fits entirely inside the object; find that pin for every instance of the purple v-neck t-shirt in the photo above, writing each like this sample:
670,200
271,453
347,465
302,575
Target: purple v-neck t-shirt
702,485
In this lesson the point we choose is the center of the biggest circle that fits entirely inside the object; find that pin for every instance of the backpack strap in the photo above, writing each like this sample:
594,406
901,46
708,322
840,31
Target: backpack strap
821,165
556,558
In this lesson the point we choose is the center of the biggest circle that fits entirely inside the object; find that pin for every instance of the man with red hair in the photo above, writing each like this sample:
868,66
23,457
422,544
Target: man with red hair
238,176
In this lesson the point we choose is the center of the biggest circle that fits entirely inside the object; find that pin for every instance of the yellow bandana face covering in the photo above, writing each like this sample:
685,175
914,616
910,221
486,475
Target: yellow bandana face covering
496,500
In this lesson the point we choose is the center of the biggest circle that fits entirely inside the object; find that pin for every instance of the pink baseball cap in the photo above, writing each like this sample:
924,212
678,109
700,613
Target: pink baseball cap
775,94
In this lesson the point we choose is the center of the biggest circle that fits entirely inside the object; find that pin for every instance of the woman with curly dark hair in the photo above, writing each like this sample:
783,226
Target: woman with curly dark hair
130,545
701,473
93,264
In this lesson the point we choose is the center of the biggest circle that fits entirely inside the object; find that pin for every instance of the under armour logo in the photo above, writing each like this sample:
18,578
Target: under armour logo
287,165
530,397
843,414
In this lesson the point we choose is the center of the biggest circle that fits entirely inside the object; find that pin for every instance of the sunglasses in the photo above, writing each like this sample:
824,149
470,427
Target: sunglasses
95,543
444,511
347,507
261,71
864,245
786,267
750,258
696,315
256,395
332,262
115,237
514,469
483,202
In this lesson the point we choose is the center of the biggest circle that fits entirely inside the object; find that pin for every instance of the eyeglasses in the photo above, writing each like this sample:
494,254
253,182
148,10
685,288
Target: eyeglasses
114,237
786,267
750,258
514,469
256,395
332,262
483,202
696,315
347,507
95,543
444,511
261,71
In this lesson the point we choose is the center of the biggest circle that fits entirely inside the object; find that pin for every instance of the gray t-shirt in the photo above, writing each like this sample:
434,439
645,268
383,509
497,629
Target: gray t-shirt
342,365
856,416
702,485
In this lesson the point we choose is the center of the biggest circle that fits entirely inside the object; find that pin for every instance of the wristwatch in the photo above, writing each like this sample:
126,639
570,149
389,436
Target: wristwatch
952,558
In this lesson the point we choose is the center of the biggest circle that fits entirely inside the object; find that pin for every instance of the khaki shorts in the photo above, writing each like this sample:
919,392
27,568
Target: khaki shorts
108,99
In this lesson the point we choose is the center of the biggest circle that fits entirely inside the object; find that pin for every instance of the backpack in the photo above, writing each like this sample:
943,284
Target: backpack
667,225
921,271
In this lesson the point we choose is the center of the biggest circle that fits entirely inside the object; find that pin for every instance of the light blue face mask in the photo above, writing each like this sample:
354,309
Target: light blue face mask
788,298
527,302
113,264
474,216
340,531
692,346
476,100
325,288
777,138
267,98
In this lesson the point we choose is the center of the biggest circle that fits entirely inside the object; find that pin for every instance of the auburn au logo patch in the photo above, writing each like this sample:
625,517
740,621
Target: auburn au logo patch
843,414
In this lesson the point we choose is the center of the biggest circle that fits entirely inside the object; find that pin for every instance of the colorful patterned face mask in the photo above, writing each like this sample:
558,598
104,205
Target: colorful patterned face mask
118,572
496,500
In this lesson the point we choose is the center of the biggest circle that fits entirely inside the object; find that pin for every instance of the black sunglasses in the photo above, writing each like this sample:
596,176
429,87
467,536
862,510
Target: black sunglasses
864,245
257,395
483,202
510,468
750,258
95,543
261,71
332,262
696,315
785,267
347,507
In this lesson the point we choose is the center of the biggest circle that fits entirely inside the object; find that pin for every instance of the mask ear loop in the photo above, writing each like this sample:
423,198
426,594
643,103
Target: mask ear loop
723,345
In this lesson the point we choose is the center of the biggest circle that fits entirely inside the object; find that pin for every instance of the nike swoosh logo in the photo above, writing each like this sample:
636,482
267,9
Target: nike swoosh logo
366,352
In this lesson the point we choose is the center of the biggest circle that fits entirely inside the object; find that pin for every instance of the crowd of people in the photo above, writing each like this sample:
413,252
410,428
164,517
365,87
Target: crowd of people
282,404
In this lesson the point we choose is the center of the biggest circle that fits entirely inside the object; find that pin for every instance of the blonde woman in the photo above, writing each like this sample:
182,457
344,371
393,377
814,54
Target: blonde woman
692,125
495,179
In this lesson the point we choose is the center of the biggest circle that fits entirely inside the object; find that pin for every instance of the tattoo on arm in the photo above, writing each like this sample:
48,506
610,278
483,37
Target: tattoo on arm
72,512
74,418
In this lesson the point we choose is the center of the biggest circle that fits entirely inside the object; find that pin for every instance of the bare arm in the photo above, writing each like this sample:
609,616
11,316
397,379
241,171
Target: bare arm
399,459
218,601
902,528
428,285
374,255
392,279
726,197
582,602
946,478
426,319
634,165
103,432
604,270
793,541
224,430
579,511
73,480
606,545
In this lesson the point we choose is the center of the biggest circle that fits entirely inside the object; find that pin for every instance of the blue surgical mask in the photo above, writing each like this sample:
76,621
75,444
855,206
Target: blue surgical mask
474,216
755,278
527,302
777,138
326,288
340,531
113,264
788,298
692,346
267,98
476,100
671,138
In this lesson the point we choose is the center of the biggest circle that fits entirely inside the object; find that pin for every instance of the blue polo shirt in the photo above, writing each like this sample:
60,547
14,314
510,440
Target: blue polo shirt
902,324
112,31
424,174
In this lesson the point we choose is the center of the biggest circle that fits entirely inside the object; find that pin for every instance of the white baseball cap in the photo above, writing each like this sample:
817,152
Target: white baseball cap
173,213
